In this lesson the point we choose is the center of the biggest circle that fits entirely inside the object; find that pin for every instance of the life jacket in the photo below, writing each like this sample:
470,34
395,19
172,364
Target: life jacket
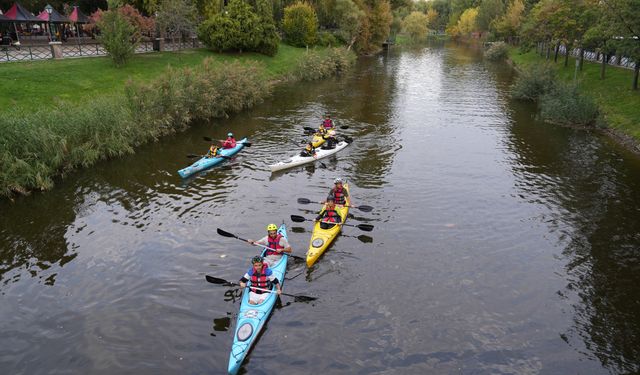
322,130
274,243
327,123
260,280
338,195
213,150
229,143
331,216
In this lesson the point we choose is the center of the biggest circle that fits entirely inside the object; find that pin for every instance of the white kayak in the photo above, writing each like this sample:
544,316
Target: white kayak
300,160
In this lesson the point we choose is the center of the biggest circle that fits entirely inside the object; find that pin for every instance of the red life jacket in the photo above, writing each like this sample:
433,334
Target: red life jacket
327,123
260,280
274,243
331,216
229,143
338,195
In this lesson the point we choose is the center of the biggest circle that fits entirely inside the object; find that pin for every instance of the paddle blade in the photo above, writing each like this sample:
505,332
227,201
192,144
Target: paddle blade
304,299
207,139
304,200
216,280
365,227
191,156
308,129
344,126
365,208
297,219
225,234
365,239
348,140
246,144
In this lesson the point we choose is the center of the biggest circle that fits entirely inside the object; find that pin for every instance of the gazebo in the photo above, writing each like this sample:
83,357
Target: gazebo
18,14
50,15
77,17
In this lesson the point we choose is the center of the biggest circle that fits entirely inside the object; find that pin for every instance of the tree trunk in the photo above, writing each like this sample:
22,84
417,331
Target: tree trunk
548,51
581,58
555,55
566,56
604,64
636,70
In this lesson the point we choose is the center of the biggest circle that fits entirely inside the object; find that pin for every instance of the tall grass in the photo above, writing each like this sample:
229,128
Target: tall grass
37,146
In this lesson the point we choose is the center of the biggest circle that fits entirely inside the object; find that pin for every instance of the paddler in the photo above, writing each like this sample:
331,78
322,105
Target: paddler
339,192
262,277
330,140
328,216
275,241
213,151
230,142
327,123
309,150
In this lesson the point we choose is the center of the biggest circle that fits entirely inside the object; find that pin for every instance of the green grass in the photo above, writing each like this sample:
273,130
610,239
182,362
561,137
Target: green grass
619,104
38,84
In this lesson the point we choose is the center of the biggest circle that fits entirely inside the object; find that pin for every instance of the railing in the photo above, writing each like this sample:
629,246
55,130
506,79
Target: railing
43,52
615,60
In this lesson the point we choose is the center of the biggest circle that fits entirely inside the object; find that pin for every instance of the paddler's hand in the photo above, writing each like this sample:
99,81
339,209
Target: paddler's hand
279,291
251,242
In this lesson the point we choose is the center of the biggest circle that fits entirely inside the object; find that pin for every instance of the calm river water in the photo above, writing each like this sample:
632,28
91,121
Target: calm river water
502,245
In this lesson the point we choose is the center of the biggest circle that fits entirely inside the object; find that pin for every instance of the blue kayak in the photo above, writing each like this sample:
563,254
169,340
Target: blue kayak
251,318
206,162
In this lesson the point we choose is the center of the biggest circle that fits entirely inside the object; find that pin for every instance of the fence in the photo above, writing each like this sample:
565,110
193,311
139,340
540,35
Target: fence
44,52
615,60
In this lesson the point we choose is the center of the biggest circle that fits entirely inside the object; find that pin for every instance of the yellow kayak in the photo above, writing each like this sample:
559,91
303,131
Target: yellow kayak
322,238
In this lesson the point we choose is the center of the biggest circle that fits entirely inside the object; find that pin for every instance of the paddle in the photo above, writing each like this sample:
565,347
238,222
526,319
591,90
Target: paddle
364,227
231,235
297,297
309,129
191,156
363,207
208,139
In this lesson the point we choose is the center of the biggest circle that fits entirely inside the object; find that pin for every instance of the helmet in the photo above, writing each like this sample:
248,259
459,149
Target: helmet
257,259
230,135
331,198
338,181
272,227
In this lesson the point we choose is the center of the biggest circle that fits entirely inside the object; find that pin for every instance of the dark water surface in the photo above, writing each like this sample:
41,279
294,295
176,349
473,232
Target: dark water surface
501,245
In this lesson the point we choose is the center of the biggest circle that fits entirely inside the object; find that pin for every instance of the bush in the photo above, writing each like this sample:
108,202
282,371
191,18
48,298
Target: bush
327,39
534,82
565,105
317,66
300,25
116,36
497,51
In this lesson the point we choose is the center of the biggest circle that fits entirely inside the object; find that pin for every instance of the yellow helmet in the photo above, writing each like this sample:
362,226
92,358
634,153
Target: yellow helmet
272,227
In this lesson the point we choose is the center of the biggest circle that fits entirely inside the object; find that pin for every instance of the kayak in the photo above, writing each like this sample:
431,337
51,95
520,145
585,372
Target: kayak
322,238
206,162
300,160
251,318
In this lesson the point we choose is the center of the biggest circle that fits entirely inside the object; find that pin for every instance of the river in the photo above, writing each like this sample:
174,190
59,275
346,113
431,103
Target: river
502,245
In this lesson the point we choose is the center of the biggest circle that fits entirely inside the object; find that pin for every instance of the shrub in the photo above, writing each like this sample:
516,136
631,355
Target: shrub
317,66
300,25
533,82
497,51
116,36
565,105
327,39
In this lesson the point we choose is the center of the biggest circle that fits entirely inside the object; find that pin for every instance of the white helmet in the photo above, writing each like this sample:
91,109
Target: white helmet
338,181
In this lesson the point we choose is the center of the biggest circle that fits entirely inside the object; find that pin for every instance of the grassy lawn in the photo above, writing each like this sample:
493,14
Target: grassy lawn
618,102
37,84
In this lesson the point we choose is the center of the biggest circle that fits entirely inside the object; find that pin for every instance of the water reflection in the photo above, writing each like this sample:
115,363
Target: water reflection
591,192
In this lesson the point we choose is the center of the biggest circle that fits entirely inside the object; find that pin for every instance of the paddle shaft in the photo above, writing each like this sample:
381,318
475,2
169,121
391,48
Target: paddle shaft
227,234
219,281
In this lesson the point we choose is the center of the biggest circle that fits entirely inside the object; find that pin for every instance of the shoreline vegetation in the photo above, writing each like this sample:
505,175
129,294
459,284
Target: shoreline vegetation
66,114
618,105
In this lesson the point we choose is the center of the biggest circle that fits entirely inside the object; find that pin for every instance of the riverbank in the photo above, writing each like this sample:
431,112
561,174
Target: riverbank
62,115
618,103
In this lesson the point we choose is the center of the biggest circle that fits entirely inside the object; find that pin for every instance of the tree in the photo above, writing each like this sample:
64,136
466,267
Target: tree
350,21
269,40
237,29
622,15
300,24
432,19
117,36
488,11
176,17
467,22
509,24
416,25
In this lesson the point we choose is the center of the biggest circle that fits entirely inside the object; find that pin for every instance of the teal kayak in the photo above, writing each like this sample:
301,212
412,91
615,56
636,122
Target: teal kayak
206,162
251,318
